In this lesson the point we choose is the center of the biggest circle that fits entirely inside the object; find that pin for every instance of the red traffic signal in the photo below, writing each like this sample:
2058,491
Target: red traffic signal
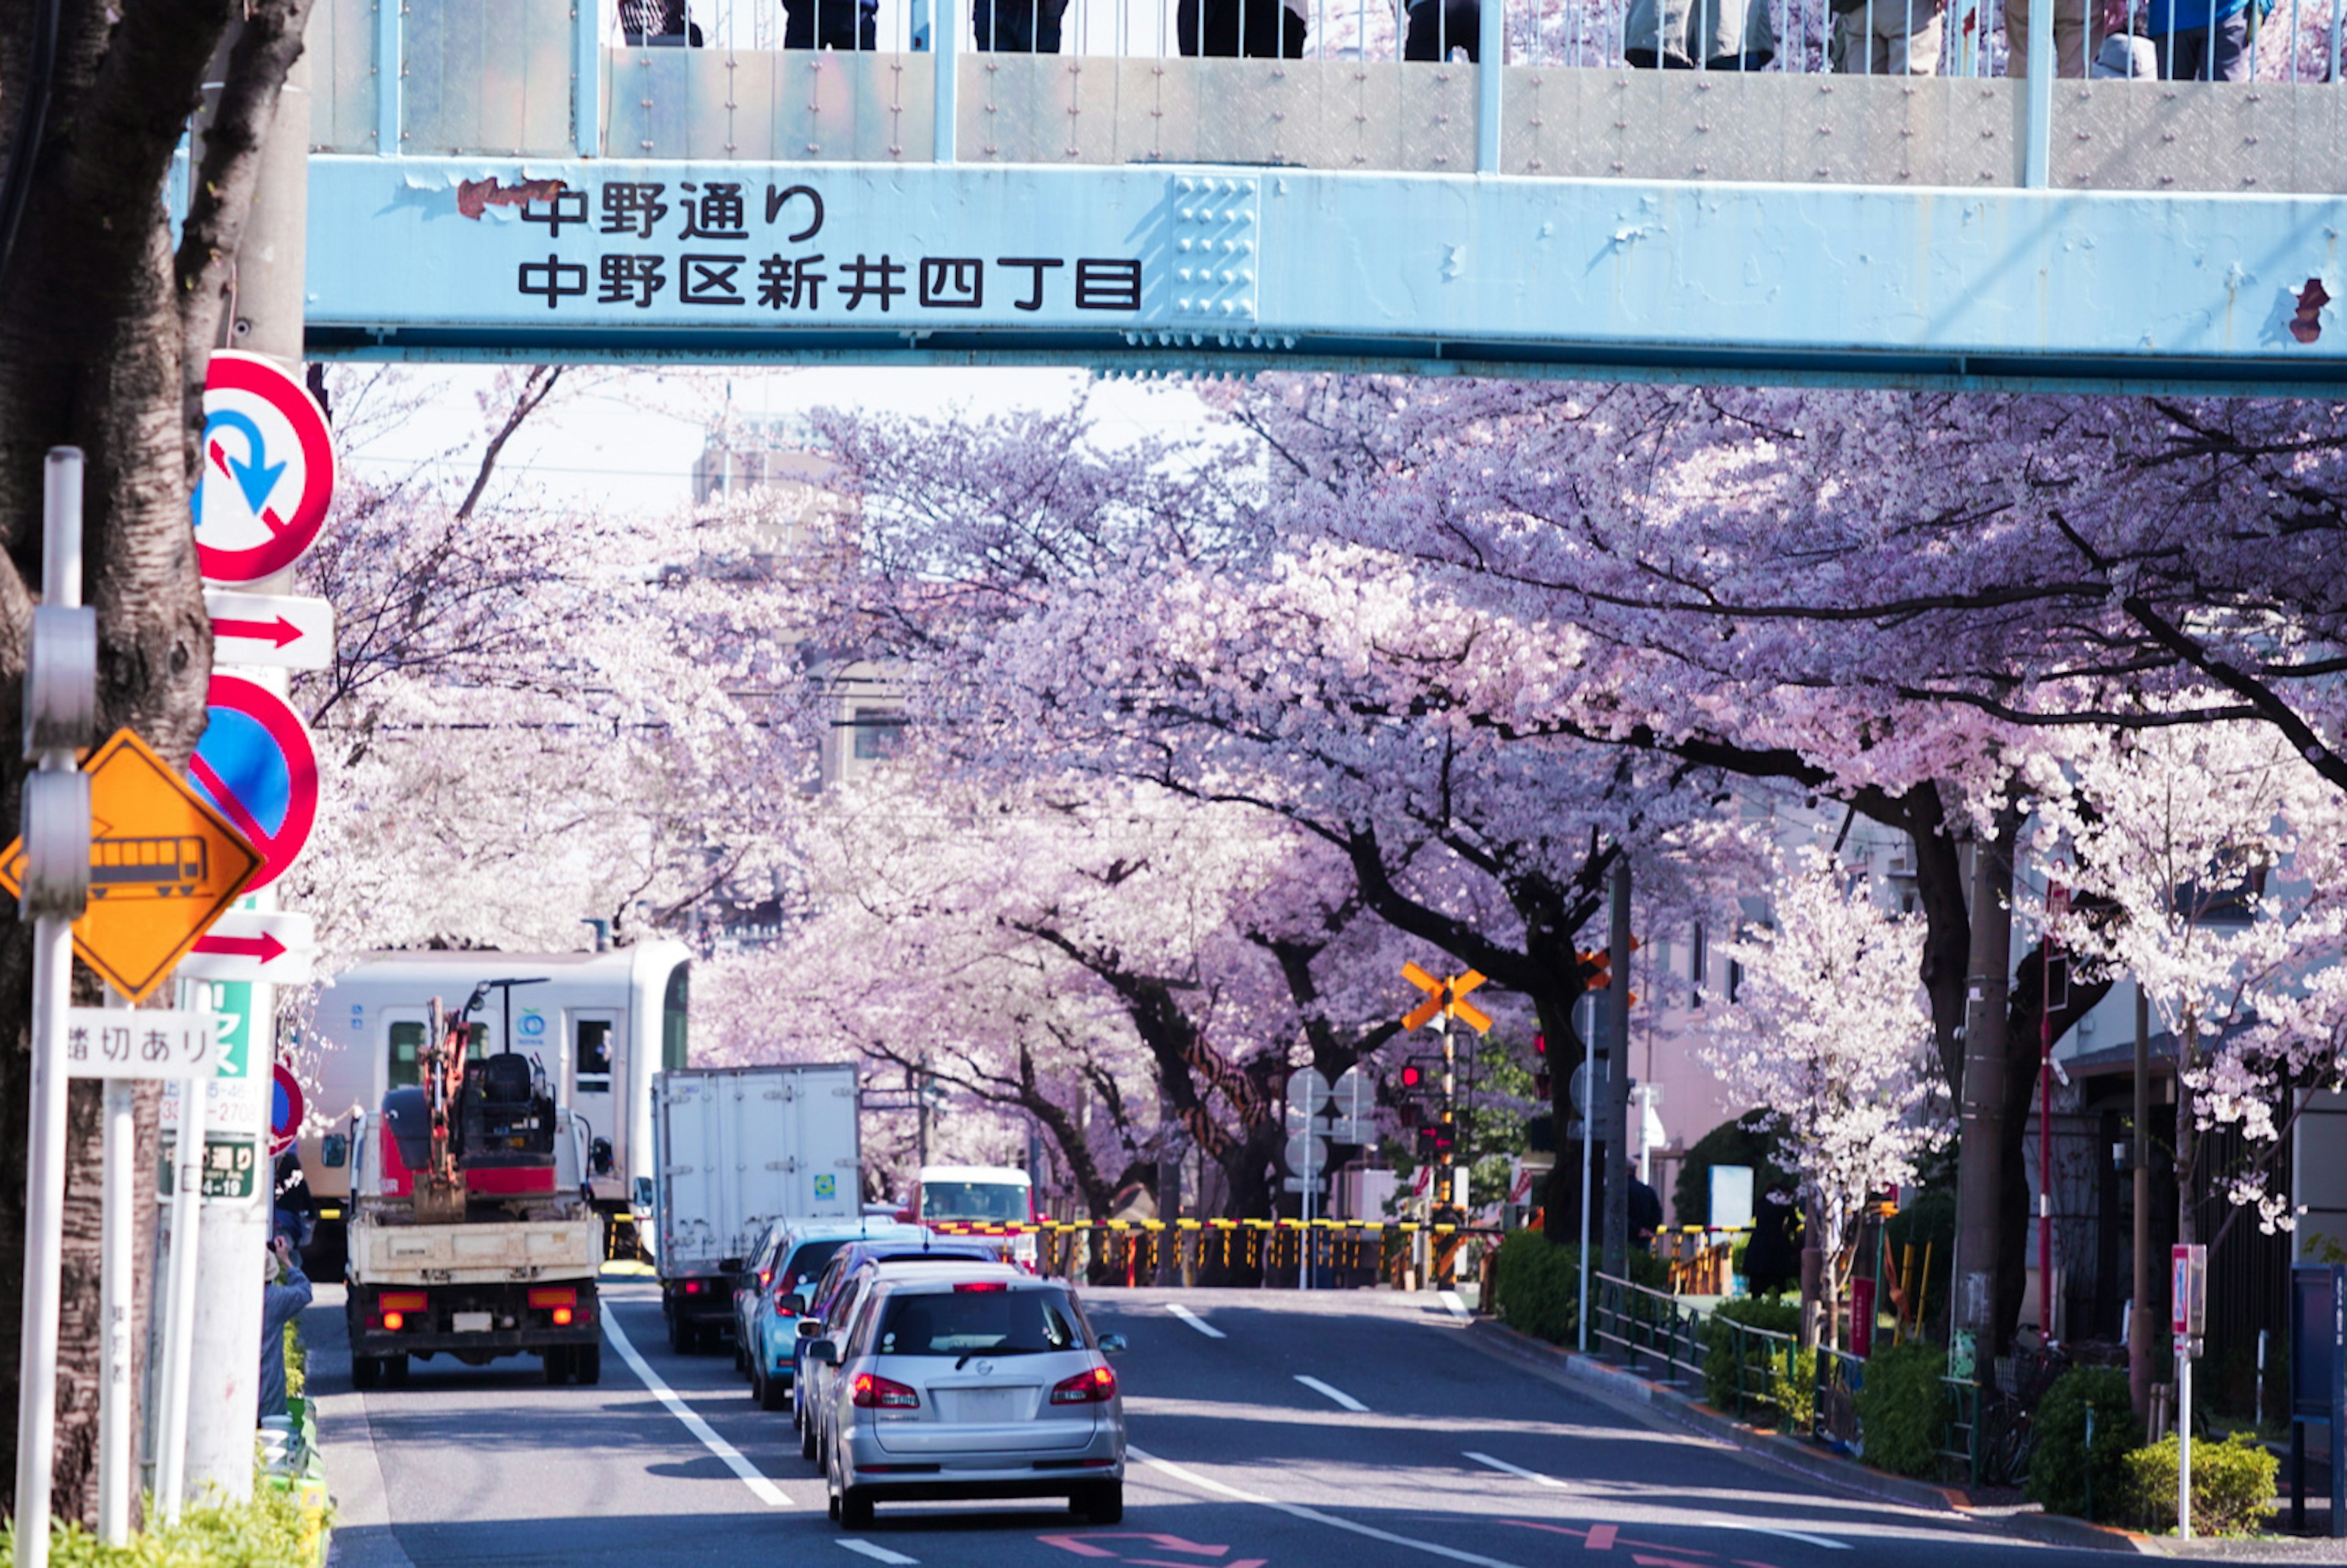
1539,1045
1412,1076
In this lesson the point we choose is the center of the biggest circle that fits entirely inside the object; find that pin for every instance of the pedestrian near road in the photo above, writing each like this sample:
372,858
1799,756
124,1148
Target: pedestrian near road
281,1301
1437,27
659,24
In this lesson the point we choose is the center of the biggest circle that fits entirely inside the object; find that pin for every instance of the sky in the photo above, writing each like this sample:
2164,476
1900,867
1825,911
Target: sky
625,440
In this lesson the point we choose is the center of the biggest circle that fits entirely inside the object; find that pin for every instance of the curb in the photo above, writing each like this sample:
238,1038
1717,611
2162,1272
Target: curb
1795,1454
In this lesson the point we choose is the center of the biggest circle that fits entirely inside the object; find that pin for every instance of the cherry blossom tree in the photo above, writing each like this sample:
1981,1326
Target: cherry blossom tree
2218,860
1829,1033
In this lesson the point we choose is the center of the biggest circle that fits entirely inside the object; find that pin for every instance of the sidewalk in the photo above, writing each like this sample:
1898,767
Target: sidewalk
1808,1458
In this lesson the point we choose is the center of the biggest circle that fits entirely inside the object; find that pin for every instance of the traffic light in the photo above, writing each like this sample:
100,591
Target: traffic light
1408,1112
1411,1078
1434,1142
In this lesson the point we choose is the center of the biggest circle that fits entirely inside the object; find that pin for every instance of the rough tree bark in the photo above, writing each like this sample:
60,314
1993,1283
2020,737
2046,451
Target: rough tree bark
103,337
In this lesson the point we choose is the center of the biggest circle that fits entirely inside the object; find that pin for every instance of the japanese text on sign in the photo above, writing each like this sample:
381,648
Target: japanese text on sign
717,212
229,1167
122,1042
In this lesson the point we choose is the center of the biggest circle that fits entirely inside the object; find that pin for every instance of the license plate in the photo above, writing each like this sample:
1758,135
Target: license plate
977,1406
469,1322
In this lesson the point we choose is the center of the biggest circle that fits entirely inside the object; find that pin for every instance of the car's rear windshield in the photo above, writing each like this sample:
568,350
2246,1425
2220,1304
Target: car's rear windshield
807,1260
981,1323
983,1203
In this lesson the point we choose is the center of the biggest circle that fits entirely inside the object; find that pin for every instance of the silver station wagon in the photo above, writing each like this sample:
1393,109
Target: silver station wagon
984,1383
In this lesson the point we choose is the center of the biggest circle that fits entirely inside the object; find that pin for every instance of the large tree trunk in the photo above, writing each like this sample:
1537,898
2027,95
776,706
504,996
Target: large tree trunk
96,320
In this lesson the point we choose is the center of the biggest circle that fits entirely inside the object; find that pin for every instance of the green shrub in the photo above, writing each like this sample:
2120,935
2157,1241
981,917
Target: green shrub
273,1530
1539,1285
2060,1466
1774,1381
1902,1409
2232,1484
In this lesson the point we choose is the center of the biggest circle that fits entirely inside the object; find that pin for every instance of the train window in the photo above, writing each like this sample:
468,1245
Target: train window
674,1048
591,1054
407,1055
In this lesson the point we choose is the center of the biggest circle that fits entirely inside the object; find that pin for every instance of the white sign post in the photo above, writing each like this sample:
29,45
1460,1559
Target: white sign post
1308,1153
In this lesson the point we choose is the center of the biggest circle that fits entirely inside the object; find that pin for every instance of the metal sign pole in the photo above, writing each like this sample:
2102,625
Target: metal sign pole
179,1305
115,1479
60,713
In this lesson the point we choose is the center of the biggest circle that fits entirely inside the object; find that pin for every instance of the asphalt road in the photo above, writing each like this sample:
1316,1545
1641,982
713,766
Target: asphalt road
1342,1428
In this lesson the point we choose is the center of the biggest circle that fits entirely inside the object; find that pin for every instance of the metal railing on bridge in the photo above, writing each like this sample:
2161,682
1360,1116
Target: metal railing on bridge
1543,89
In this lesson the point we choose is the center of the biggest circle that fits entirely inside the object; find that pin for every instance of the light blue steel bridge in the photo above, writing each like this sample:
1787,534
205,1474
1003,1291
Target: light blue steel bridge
511,179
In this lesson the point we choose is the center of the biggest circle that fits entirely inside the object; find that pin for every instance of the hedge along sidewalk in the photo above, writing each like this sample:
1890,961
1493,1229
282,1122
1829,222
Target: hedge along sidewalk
1803,1457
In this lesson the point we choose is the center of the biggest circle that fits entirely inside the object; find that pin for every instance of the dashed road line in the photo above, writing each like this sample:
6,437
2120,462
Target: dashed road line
1314,1516
1336,1395
1194,1321
878,1553
1530,1475
766,1491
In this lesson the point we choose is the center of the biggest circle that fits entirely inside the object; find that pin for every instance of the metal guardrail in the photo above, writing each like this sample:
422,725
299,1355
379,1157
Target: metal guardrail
1645,1322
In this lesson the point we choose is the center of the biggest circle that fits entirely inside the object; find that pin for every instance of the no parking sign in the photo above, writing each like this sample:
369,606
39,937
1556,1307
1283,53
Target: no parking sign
256,764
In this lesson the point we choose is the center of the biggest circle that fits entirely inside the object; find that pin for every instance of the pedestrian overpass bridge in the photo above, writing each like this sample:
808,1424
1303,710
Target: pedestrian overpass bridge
509,180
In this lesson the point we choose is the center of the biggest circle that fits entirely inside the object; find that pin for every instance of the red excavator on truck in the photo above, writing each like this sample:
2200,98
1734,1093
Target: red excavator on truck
471,1233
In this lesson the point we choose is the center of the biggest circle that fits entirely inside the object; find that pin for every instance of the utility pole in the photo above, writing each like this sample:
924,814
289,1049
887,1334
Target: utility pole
1980,1135
222,1409
1616,1005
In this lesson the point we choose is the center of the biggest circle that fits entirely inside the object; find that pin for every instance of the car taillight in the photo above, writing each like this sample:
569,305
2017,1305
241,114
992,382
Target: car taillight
981,1287
554,1295
562,1317
766,1277
782,1308
1095,1387
401,1301
394,1321
878,1393
692,1287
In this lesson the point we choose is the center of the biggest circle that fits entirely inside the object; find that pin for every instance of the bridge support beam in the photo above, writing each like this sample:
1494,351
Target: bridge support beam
586,75
1490,66
945,41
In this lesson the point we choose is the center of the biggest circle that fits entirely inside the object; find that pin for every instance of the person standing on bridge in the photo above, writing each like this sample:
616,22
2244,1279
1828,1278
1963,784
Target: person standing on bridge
1260,29
658,24
2201,40
1699,34
1886,37
2072,45
831,24
1016,27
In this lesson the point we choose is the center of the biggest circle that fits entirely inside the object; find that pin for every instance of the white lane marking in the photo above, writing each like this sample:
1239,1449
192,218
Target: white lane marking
1530,1475
766,1491
1450,1299
1825,1542
876,1553
1338,1395
1194,1321
1707,1523
1314,1516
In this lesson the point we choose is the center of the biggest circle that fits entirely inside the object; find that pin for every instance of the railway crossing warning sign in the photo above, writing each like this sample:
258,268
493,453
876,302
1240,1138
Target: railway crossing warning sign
163,866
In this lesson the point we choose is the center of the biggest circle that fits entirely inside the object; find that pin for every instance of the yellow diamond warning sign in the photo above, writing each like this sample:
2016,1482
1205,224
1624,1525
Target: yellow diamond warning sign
163,866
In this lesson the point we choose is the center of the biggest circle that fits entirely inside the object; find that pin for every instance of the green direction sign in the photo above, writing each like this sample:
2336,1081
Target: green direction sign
234,997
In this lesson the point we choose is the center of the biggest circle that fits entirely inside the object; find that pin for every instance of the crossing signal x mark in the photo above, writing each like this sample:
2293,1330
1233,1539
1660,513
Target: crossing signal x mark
1445,997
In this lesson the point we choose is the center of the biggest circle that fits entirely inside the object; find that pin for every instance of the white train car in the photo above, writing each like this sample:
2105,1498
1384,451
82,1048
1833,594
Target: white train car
598,1025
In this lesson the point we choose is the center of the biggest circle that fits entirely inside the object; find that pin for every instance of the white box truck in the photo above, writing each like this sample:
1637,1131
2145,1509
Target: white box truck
733,1150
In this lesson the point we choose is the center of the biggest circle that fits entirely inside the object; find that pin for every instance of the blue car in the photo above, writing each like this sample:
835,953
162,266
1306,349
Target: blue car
825,1301
767,1294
